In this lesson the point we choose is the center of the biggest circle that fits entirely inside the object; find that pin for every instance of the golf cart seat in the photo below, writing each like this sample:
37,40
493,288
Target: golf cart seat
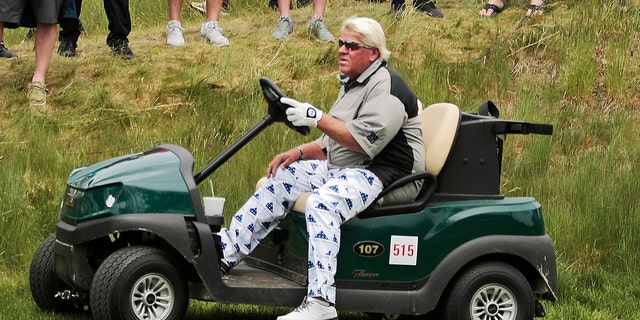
440,124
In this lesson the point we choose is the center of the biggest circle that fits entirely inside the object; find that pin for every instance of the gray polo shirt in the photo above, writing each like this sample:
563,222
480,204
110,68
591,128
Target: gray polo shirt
381,113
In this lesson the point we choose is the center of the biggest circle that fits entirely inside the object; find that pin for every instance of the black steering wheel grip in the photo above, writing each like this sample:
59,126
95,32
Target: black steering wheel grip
277,110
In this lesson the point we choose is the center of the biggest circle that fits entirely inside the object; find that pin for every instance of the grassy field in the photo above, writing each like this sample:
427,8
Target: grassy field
576,67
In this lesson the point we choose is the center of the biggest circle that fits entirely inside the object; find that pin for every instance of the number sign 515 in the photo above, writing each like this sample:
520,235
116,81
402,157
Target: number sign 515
404,250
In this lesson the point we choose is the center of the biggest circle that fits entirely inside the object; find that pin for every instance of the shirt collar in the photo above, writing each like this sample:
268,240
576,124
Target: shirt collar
364,76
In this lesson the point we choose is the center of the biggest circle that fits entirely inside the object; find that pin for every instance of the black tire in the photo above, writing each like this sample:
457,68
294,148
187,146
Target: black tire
393,316
490,291
383,316
43,281
137,283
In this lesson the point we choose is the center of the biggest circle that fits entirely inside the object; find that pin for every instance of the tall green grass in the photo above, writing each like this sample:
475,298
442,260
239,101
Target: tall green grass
575,67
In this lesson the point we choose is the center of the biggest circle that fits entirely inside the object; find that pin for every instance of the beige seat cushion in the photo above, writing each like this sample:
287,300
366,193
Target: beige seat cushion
440,124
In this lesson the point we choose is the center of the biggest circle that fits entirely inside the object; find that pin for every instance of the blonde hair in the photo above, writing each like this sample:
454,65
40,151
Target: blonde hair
370,31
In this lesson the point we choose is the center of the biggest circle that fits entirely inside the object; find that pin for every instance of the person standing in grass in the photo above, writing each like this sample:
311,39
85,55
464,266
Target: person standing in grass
317,25
119,28
370,138
210,29
44,15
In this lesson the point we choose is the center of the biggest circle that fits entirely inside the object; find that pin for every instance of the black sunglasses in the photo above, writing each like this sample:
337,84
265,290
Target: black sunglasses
352,45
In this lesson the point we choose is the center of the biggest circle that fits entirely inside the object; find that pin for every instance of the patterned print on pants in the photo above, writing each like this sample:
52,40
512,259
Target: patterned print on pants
268,205
338,195
345,194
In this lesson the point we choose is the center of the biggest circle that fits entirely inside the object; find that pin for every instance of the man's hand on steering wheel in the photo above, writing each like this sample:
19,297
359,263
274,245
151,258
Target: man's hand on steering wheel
302,113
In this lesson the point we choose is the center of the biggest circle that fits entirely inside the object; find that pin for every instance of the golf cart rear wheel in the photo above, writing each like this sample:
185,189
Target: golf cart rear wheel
490,291
46,287
138,283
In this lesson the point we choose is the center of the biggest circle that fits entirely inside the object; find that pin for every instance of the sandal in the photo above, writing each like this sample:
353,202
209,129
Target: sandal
535,10
493,7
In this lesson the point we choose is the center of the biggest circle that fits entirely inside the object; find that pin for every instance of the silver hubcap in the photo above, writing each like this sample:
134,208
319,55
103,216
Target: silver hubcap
152,297
493,302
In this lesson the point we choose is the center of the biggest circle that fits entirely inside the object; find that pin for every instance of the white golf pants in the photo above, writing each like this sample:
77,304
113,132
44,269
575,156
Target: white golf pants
337,196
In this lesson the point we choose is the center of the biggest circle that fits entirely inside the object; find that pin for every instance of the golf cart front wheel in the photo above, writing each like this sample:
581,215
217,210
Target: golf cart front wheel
46,287
490,291
137,283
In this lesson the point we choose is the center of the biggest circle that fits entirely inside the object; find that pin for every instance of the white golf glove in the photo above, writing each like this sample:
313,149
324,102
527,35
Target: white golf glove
302,114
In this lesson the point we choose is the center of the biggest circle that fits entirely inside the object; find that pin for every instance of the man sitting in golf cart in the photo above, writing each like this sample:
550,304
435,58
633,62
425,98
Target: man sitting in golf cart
371,137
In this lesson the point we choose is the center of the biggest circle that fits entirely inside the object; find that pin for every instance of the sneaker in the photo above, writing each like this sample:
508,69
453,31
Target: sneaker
322,32
174,34
6,53
285,28
213,33
67,48
37,94
123,51
312,309
429,8
201,7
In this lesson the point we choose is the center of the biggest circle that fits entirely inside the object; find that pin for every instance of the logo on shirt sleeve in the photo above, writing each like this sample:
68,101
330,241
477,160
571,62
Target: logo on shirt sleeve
372,137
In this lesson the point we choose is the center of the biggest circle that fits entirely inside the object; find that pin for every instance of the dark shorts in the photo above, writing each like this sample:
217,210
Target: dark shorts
27,13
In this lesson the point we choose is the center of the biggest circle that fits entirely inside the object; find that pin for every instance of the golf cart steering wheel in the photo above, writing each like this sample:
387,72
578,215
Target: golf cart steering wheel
277,109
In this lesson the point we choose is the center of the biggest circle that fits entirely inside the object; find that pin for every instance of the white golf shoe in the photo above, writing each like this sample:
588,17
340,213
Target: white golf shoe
312,309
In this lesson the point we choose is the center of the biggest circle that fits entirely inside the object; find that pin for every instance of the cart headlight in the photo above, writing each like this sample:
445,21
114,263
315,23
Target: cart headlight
71,198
